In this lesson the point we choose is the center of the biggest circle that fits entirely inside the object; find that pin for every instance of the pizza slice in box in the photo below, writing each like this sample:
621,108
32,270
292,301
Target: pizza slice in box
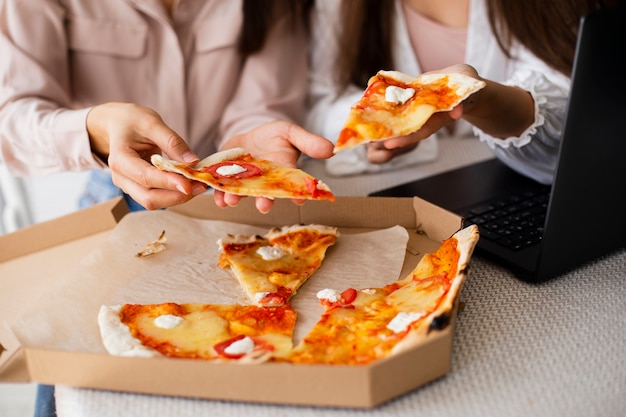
361,326
224,332
271,268
396,104
237,172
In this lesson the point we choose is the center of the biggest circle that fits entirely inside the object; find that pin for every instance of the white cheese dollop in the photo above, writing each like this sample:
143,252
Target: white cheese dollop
240,347
270,253
233,169
398,95
167,321
329,294
402,320
260,295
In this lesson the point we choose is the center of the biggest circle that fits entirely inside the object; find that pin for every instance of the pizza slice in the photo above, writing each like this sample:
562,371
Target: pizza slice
236,172
396,104
271,268
226,332
361,326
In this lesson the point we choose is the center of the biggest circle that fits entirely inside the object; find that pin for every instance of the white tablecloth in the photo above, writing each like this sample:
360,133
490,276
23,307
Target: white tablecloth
556,349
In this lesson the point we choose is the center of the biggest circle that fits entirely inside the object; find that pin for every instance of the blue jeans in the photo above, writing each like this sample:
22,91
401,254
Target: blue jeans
99,188
44,402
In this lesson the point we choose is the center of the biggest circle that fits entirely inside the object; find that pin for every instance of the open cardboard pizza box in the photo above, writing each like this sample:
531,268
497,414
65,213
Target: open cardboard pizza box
48,324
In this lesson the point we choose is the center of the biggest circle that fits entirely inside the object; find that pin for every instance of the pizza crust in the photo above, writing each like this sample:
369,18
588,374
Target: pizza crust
466,242
224,155
322,229
116,336
166,164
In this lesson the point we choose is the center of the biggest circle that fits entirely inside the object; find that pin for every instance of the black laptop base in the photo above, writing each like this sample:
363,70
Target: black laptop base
468,192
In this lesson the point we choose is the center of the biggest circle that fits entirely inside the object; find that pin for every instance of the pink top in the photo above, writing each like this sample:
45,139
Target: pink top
427,36
59,58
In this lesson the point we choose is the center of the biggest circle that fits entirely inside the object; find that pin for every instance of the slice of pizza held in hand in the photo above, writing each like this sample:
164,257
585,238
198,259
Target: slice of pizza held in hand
271,268
396,104
236,172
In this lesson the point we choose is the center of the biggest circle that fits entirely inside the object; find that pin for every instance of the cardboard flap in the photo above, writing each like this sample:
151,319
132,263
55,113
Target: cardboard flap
23,285
63,229
412,213
12,365
434,222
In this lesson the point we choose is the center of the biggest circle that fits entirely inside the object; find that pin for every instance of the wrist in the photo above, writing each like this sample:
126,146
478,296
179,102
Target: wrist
500,110
98,140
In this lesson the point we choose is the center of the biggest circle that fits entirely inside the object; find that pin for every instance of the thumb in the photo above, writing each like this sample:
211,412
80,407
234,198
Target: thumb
309,143
175,147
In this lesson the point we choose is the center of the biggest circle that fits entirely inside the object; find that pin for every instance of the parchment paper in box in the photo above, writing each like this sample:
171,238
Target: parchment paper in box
186,271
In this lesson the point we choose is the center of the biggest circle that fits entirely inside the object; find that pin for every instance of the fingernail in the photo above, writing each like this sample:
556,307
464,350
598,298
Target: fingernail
190,157
198,189
181,189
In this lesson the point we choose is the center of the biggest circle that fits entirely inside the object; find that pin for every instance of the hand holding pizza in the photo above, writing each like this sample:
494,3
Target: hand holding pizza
392,122
280,142
126,135
397,111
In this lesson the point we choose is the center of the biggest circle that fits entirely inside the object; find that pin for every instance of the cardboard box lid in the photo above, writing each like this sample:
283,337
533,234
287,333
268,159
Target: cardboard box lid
32,257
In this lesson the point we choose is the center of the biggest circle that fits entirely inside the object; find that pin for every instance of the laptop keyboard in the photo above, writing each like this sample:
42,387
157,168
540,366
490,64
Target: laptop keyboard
515,222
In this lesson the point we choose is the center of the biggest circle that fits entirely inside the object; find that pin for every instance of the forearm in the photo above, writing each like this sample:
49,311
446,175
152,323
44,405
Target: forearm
499,110
39,138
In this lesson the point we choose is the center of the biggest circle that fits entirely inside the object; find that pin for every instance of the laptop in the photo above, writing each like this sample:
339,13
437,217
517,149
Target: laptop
582,215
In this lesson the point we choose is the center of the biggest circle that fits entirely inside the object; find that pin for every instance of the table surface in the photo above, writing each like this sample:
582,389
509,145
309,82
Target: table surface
554,349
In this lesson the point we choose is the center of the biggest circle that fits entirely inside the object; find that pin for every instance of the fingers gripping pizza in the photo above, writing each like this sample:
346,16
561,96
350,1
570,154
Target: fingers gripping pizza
271,268
236,172
396,104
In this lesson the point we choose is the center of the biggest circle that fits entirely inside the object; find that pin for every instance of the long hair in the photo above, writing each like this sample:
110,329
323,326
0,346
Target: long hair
259,15
549,29
365,46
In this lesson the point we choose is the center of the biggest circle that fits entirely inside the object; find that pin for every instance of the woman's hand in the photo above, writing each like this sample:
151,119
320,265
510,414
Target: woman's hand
280,142
126,135
383,151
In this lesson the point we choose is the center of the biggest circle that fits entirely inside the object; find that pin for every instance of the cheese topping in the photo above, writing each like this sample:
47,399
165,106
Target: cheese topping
329,294
270,253
402,320
240,347
167,321
260,295
398,95
230,169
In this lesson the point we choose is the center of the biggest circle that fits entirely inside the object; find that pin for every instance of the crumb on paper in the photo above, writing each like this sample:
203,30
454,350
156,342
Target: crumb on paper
154,247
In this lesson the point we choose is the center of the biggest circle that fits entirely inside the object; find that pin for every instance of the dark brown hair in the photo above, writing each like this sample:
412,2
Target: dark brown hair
259,15
365,46
547,28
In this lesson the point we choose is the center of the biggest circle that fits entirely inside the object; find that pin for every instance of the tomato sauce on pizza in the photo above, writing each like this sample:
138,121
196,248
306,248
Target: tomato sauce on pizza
236,172
396,104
